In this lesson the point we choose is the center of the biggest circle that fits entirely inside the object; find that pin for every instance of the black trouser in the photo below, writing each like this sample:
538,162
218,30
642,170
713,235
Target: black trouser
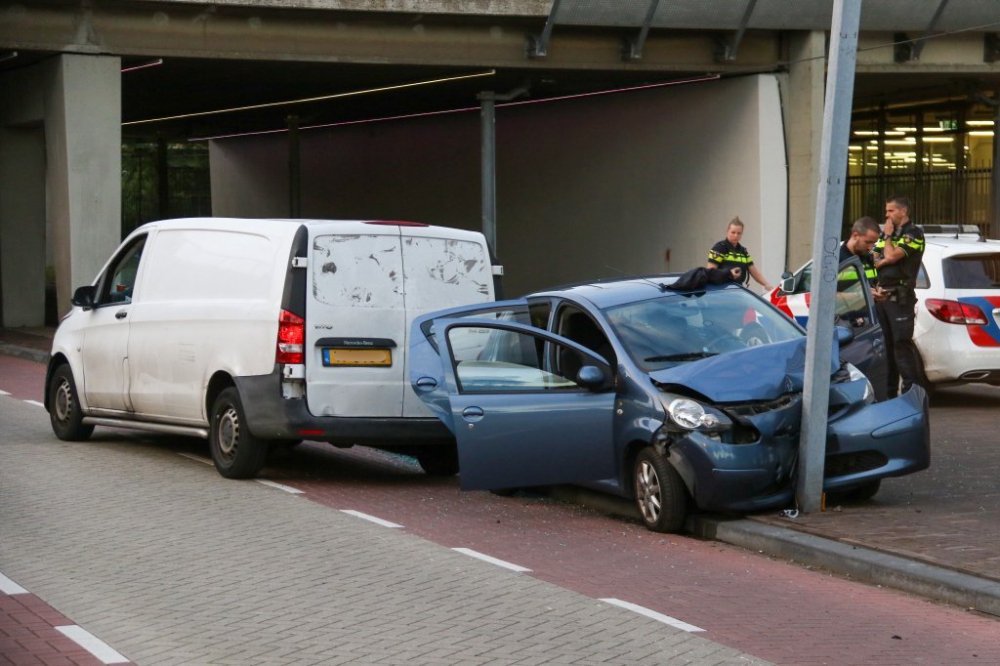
896,316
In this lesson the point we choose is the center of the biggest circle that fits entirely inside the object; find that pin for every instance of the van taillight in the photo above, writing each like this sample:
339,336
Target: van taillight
291,337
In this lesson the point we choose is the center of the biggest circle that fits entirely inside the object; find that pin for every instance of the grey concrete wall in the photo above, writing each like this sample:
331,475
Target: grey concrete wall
22,226
73,102
585,187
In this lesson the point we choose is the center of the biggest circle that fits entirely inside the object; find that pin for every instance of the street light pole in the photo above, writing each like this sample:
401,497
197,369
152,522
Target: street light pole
826,250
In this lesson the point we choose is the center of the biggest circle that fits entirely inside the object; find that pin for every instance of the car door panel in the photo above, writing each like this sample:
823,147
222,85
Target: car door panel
518,425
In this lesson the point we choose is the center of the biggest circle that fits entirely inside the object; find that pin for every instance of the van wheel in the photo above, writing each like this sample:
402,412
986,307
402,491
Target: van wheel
438,461
237,454
64,407
659,492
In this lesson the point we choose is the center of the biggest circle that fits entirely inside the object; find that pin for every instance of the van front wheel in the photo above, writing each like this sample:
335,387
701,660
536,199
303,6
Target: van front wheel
64,407
237,454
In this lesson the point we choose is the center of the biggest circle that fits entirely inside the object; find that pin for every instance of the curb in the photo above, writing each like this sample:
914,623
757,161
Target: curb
857,562
26,353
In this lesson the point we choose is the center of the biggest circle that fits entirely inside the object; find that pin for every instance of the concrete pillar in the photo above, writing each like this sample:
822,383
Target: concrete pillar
803,93
22,226
83,180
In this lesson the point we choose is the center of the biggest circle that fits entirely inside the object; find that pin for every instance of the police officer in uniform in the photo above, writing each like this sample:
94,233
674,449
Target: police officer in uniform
864,236
899,253
728,254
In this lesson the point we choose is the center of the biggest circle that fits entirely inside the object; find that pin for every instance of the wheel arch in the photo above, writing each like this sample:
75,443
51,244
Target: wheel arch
673,458
218,383
57,360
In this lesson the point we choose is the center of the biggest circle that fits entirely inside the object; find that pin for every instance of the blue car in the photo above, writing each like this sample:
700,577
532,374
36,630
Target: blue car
676,399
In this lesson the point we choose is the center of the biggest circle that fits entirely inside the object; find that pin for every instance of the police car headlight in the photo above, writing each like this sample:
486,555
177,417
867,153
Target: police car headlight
692,415
856,376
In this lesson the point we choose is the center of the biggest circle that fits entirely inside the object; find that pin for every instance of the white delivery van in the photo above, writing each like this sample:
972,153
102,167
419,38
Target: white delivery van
254,333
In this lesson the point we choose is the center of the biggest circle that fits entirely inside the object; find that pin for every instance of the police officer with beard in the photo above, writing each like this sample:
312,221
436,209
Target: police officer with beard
900,251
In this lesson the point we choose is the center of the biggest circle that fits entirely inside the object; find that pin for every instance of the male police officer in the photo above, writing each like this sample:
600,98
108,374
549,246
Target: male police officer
901,248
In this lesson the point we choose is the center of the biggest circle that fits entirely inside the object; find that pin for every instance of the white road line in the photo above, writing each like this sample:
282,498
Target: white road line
660,617
7,586
492,560
365,516
197,458
35,402
280,486
4,393
92,644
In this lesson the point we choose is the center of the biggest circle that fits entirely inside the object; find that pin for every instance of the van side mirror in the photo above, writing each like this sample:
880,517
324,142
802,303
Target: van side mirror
590,377
787,282
84,297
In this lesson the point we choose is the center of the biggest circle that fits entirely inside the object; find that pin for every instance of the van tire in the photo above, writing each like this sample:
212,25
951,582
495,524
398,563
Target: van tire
237,454
64,407
438,461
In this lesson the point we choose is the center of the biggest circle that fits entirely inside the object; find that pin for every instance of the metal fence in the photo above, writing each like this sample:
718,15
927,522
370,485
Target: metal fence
945,197
188,184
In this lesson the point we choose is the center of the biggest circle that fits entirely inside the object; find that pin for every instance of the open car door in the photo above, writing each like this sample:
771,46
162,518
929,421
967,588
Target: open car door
518,420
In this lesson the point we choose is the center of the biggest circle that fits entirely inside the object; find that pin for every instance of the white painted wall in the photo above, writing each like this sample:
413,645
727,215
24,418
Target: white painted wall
585,186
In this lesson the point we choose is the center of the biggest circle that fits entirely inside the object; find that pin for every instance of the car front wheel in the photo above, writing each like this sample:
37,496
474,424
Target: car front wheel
64,407
237,454
659,492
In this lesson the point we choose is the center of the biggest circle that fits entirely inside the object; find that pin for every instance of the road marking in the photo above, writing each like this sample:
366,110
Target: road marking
92,644
492,560
4,393
280,486
660,617
7,586
365,516
35,402
196,458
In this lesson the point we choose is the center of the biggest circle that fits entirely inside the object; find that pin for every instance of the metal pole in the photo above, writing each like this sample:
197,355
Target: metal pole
826,250
995,222
163,178
489,176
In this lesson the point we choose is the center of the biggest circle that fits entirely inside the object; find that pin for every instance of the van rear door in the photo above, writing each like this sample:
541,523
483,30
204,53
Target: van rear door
442,268
355,321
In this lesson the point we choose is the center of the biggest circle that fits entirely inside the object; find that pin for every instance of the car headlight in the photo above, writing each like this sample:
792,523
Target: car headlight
856,376
692,415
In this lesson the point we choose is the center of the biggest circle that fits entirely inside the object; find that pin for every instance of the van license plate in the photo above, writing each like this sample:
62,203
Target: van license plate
373,357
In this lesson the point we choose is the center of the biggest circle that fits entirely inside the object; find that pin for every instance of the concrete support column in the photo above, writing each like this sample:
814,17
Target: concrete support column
22,226
83,181
802,94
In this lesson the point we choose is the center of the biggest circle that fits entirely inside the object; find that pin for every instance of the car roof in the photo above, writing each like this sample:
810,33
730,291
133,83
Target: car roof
966,243
616,291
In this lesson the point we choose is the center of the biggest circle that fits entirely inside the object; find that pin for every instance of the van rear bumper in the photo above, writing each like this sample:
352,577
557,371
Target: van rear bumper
270,416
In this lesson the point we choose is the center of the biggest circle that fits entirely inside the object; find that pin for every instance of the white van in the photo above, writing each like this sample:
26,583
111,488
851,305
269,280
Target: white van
254,333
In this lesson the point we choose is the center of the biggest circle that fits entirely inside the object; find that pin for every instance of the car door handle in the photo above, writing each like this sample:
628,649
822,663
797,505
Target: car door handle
121,314
426,383
473,414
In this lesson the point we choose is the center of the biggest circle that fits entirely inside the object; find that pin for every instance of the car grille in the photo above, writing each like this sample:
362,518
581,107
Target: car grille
743,410
843,464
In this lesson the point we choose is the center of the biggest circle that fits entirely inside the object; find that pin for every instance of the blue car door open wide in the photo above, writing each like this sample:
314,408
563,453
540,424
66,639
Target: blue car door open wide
519,419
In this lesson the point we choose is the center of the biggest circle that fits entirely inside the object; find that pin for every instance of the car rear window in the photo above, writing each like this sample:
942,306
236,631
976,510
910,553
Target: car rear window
975,271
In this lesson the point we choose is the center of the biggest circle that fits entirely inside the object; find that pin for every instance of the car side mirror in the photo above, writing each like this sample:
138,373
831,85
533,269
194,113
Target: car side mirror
590,377
787,282
84,297
844,335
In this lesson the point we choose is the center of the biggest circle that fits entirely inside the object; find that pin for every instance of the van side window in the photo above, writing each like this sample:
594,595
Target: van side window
119,280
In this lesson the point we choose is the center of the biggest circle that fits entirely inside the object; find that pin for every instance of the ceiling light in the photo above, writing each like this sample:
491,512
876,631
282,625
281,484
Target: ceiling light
979,123
939,139
981,133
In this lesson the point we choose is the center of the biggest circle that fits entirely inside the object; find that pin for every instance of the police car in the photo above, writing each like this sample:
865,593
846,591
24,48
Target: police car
957,326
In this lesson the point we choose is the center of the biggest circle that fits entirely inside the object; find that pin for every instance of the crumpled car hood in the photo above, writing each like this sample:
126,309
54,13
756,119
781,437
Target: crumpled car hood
756,373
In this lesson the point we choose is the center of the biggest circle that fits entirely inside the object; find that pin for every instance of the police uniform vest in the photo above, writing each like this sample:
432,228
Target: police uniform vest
910,239
727,257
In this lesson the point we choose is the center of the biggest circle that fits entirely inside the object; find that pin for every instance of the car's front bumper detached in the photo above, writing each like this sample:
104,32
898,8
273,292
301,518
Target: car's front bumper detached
865,444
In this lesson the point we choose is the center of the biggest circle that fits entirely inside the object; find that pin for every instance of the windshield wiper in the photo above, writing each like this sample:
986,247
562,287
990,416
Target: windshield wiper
686,356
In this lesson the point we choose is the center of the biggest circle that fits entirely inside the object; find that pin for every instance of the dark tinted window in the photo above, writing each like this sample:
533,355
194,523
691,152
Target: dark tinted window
977,271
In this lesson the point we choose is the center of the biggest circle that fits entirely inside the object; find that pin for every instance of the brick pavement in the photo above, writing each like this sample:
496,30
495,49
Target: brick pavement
167,566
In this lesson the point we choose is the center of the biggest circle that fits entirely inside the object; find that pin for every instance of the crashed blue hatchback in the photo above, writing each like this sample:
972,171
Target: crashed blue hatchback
676,399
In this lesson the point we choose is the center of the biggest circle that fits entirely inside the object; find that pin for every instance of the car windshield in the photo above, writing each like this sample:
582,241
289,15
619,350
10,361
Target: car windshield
976,271
664,331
